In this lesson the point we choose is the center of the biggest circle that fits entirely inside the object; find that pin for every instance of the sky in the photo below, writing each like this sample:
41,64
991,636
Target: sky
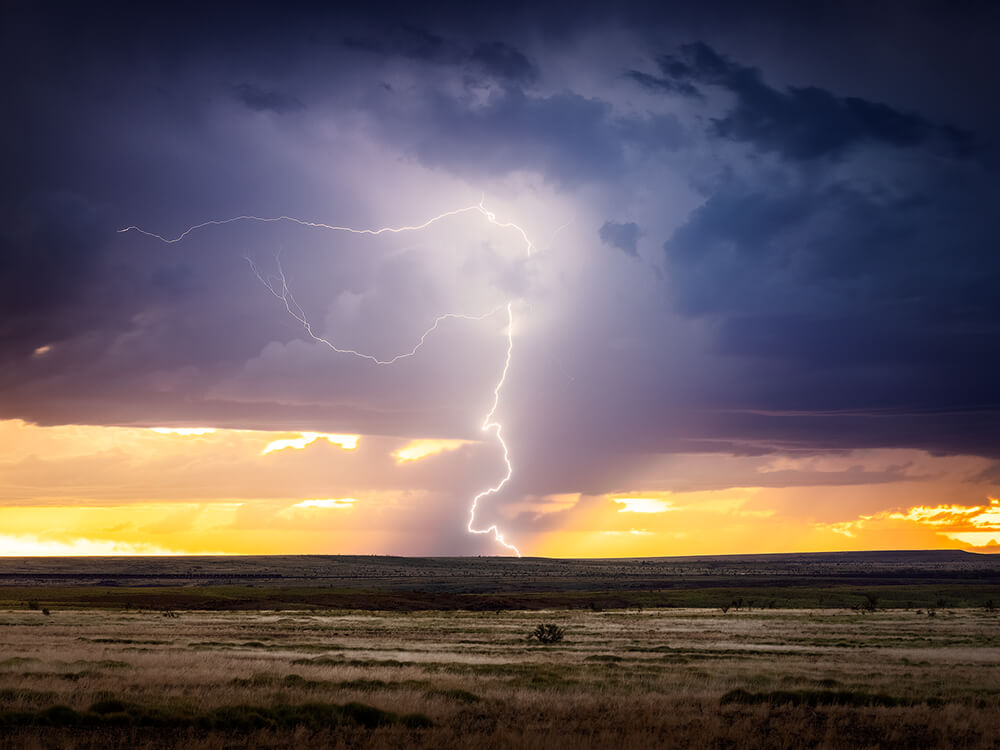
733,267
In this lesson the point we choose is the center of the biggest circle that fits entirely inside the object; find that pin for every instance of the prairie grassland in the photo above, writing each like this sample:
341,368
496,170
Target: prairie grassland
655,678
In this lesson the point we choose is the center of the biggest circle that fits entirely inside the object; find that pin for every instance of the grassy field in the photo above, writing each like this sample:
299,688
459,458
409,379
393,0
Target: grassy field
267,597
776,678
944,578
849,650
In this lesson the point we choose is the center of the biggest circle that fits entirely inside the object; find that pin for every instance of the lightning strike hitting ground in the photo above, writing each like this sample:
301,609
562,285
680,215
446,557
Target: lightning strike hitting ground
279,288
490,424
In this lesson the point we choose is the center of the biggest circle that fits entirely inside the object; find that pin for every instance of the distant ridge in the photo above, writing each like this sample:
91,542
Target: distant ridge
368,582
928,555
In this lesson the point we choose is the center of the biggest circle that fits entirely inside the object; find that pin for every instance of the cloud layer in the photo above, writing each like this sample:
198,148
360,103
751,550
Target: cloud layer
747,245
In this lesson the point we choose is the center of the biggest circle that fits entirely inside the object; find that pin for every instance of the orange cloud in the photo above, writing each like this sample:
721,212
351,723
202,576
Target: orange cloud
79,489
417,449
331,502
976,525
184,430
643,504
347,442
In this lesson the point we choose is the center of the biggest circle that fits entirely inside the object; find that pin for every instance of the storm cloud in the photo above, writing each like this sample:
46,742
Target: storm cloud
818,266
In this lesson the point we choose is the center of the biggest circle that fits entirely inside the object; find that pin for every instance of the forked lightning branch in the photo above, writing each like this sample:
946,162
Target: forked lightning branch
278,286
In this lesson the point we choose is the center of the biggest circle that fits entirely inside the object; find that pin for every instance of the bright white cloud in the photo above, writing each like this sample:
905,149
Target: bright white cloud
30,545
643,505
184,430
330,502
347,442
418,449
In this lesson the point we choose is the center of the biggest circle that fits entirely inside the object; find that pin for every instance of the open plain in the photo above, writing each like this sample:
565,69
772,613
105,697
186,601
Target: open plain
864,669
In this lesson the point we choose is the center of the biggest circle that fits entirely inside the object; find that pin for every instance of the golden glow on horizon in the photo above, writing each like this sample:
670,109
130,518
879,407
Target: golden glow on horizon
29,545
347,442
976,525
631,532
91,490
138,529
985,516
417,449
184,431
330,502
643,505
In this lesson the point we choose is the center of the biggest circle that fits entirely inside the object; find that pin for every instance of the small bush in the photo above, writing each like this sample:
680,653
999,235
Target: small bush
111,706
46,612
367,716
547,633
416,721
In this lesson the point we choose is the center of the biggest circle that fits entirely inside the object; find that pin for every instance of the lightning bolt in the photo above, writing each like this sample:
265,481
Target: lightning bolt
296,311
279,288
489,423
480,207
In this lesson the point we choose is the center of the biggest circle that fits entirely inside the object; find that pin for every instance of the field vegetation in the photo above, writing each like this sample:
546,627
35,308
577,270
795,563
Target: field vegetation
655,677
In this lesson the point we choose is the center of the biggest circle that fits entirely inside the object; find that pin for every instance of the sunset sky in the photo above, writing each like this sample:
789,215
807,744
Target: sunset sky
749,251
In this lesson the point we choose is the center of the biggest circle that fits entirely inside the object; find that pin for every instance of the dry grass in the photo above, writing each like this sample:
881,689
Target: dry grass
619,679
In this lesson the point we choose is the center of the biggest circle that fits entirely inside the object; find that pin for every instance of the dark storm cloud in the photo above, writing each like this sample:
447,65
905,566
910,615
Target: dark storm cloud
669,85
50,252
798,122
409,41
907,278
624,236
568,138
495,58
858,274
865,288
571,138
260,99
504,61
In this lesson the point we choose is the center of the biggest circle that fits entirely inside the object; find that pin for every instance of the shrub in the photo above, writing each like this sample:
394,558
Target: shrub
548,633
455,694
